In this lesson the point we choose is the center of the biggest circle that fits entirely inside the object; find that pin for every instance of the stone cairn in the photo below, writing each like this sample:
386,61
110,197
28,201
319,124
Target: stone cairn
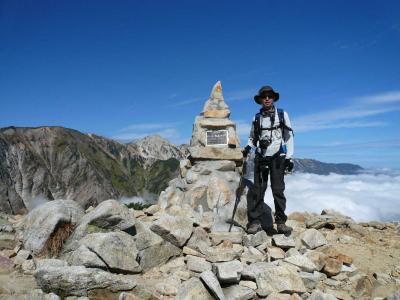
209,177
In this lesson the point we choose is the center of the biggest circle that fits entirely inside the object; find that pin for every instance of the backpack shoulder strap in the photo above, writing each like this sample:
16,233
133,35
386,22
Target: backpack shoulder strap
282,122
257,126
281,116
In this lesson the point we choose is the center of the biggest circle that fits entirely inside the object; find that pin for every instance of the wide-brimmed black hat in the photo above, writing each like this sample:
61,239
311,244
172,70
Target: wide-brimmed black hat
266,90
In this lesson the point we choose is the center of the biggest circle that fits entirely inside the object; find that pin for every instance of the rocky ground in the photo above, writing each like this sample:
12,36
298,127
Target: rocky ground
59,251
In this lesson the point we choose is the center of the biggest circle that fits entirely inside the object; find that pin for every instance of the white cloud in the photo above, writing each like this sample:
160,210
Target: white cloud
383,98
363,197
352,115
134,199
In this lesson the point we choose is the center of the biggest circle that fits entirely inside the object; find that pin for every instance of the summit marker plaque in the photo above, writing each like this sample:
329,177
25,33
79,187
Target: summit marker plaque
216,137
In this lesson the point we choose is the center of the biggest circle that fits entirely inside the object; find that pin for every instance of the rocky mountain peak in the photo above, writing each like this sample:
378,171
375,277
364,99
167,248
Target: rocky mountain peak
155,147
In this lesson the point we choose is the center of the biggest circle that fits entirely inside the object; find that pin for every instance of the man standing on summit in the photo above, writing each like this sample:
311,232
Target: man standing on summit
272,136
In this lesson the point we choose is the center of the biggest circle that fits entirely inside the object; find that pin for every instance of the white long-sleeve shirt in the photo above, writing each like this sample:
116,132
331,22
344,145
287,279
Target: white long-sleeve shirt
275,135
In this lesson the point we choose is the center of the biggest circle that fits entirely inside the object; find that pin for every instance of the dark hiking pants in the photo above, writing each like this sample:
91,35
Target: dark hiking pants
257,210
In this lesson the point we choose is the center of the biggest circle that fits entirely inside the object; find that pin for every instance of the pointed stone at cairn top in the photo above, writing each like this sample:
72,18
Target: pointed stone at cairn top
215,106
216,92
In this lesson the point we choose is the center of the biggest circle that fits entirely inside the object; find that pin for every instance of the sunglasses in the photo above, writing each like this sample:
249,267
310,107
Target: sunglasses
269,95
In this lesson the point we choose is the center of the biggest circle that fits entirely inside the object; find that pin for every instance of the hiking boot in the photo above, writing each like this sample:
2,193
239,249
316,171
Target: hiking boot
254,228
270,231
283,228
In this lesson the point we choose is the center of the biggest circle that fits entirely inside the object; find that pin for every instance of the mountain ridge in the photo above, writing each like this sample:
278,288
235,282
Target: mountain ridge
55,162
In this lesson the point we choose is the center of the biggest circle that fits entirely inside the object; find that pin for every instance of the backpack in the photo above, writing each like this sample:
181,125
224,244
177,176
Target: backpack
285,129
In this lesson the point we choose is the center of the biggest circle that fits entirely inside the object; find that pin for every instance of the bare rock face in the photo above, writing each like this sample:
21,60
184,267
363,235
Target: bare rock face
41,222
51,162
153,148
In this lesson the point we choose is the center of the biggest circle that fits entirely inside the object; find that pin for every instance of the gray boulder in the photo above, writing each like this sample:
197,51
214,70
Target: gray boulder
250,271
144,237
279,279
157,255
41,222
198,264
109,214
78,280
153,250
228,272
116,249
238,292
284,242
85,257
176,230
301,261
211,281
312,238
311,280
193,289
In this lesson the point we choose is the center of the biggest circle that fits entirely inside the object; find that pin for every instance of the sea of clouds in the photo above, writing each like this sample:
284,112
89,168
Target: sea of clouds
364,197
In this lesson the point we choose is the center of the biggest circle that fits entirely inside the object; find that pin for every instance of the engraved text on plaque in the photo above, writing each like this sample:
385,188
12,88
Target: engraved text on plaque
216,137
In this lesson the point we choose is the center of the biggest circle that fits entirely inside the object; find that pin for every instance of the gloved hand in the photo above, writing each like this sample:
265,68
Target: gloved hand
289,165
246,150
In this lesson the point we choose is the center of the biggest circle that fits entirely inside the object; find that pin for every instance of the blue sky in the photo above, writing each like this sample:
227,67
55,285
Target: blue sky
126,69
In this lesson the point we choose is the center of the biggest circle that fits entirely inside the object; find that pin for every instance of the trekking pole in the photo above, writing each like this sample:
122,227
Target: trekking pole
239,192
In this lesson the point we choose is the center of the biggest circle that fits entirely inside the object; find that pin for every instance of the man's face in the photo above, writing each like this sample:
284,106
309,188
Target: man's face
267,100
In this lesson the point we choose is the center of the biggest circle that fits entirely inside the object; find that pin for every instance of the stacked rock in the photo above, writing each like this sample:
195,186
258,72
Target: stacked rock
210,175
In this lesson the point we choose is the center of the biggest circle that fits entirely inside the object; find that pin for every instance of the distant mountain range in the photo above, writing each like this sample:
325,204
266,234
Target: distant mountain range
61,163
